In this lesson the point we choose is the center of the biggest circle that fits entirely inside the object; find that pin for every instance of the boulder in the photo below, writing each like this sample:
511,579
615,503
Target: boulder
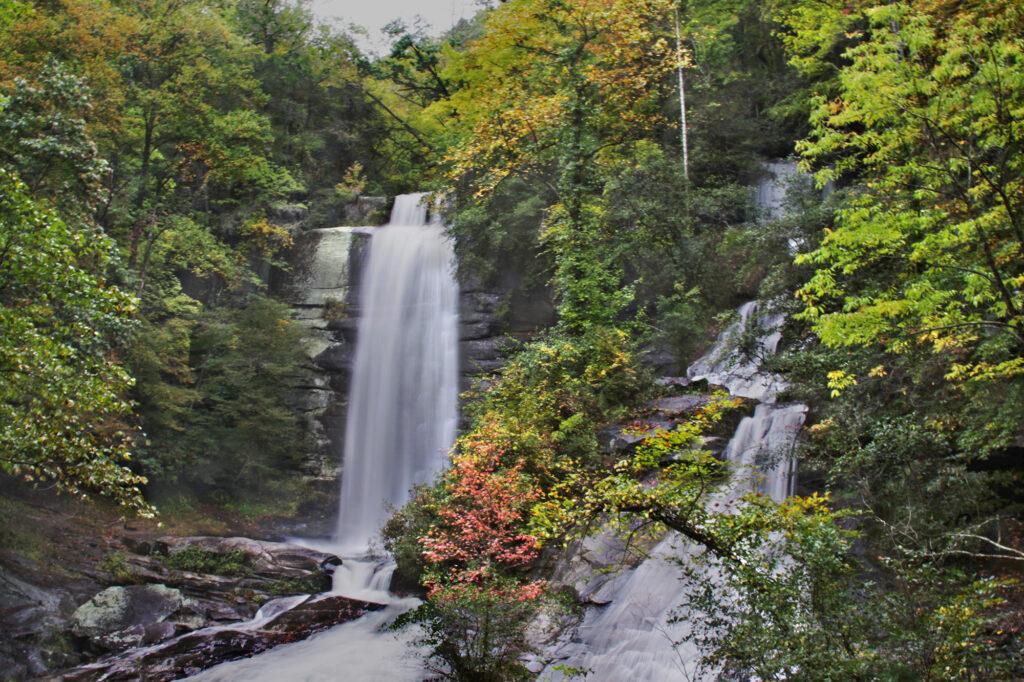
677,406
366,211
287,214
124,616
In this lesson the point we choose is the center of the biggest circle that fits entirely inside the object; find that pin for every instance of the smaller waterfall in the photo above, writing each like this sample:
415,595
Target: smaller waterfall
761,450
770,194
741,375
644,632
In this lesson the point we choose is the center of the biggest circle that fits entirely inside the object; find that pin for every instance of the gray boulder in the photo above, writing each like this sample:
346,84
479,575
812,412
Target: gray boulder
128,615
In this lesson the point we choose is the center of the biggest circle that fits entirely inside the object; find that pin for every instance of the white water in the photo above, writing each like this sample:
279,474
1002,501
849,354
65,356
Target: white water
402,417
770,195
360,651
645,632
742,376
403,409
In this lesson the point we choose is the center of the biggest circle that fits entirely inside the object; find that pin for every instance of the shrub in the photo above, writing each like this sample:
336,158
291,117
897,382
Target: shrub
196,559
477,633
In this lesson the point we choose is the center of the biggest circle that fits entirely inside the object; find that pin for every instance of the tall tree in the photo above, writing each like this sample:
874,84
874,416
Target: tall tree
61,385
930,251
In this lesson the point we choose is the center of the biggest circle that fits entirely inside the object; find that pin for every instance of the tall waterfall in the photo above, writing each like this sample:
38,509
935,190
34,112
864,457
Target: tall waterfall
403,408
401,421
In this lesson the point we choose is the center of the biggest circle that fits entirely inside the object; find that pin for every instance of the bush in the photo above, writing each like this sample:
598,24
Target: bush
116,564
196,559
475,633
402,535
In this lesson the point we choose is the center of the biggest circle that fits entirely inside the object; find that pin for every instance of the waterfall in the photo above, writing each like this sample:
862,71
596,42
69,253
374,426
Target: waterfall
741,374
645,630
770,193
402,417
402,412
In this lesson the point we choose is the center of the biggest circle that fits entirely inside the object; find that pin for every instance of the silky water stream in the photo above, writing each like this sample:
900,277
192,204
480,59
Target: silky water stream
402,418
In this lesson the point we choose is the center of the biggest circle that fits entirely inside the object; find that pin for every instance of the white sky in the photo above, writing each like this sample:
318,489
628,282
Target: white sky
374,14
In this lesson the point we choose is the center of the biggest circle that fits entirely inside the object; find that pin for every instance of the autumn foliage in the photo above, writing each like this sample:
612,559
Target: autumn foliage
479,532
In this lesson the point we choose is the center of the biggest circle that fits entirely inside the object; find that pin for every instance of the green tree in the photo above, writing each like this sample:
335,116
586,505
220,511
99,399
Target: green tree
929,250
44,138
64,415
239,432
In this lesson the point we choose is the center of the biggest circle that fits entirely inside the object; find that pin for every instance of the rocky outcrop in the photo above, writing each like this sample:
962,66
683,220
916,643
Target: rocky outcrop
267,559
227,579
33,618
493,320
366,211
128,616
197,601
664,414
279,622
321,285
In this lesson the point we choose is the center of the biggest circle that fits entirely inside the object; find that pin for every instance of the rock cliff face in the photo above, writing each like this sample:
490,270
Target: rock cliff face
494,318
322,288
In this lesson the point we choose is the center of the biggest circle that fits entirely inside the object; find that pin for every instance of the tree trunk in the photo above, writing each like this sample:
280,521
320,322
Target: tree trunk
682,99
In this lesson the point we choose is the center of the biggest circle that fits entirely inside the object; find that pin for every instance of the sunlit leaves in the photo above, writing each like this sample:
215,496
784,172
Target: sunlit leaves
930,249
537,60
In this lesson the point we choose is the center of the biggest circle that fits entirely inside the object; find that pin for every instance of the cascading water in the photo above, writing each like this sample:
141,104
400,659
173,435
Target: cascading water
402,417
643,633
403,406
770,194
740,374
645,630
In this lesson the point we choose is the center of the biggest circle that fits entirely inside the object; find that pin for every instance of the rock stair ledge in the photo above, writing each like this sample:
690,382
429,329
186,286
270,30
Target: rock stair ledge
191,601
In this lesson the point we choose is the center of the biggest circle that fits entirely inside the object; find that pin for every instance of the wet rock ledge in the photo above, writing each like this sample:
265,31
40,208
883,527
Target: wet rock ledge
280,622
188,603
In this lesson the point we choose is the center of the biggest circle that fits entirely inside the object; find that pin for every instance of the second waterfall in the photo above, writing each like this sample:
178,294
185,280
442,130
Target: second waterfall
403,405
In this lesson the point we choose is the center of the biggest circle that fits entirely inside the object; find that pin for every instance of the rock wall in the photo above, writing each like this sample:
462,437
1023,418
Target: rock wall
493,318
321,286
